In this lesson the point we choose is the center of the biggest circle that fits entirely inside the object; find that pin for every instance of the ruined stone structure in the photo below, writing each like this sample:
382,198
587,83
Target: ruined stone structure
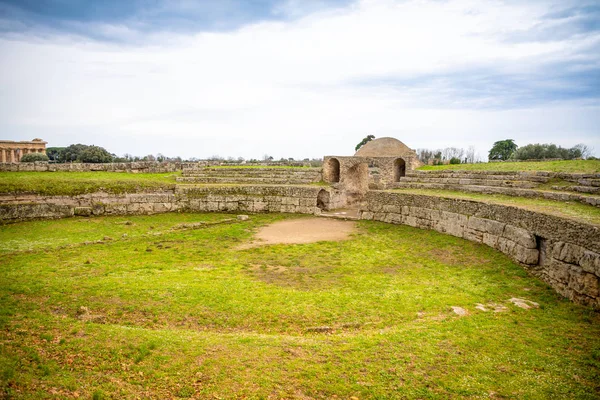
377,165
564,253
12,152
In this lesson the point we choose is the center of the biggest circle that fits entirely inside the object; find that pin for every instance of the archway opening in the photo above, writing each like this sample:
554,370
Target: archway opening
399,169
332,170
356,182
323,200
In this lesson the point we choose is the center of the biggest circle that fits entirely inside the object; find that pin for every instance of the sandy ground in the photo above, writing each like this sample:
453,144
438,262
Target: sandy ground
307,230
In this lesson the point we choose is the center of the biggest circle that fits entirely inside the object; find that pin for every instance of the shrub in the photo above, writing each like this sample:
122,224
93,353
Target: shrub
32,157
455,160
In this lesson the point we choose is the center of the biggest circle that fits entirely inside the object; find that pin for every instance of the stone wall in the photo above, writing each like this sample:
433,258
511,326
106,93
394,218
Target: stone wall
133,167
563,253
287,199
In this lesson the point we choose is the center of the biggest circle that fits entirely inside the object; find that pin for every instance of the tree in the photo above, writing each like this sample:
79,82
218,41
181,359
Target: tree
364,141
502,149
72,152
543,151
55,153
32,157
95,154
586,151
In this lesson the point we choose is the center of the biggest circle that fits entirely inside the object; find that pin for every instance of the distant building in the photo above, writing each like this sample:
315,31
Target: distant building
11,151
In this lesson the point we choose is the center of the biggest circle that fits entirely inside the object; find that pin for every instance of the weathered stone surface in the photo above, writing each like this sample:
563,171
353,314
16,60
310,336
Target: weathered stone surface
590,262
520,236
83,211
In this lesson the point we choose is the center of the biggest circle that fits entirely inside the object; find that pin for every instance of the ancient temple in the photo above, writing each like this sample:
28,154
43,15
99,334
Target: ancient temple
12,152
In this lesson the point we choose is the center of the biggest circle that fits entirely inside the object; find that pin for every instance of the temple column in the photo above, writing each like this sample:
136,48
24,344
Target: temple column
13,155
2,160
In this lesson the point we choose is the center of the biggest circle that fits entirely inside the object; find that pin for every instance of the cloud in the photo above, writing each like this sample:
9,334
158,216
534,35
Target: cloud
309,81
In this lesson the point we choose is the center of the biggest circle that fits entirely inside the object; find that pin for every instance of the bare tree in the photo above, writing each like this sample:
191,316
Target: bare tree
586,150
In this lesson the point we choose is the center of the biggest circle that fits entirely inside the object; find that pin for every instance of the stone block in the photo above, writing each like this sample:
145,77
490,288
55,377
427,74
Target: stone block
490,240
590,262
98,209
459,219
161,207
411,221
308,202
367,215
520,236
260,206
391,208
290,201
454,228
583,282
525,255
395,218
558,271
116,209
570,253
473,235
506,246
83,211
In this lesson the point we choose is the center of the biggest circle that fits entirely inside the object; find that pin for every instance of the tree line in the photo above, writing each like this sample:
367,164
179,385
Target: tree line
81,153
507,149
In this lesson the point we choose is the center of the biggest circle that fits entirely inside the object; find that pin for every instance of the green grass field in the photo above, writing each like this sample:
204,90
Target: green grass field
571,166
186,314
74,183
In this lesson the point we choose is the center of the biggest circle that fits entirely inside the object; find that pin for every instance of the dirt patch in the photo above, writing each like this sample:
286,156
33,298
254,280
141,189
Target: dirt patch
307,230
301,278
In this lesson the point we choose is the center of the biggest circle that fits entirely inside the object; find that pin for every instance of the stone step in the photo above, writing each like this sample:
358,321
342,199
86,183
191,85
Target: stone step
508,191
589,182
253,175
584,189
346,214
505,176
255,170
467,181
231,180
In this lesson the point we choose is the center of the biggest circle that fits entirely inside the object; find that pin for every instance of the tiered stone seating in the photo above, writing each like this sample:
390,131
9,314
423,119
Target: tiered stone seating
266,175
576,187
433,179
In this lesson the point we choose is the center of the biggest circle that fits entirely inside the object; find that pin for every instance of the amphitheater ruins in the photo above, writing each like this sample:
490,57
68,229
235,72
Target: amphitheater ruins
564,252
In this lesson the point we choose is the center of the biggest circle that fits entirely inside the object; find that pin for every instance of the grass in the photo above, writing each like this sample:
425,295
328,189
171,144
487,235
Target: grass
74,183
571,166
571,210
184,313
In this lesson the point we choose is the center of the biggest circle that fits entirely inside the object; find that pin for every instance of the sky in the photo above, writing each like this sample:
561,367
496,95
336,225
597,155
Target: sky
298,78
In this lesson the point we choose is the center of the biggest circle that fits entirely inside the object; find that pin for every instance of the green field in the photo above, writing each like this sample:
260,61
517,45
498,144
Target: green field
571,166
74,183
186,314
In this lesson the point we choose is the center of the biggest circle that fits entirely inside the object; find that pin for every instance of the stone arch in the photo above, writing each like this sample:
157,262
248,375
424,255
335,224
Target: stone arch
399,169
331,170
355,180
323,200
